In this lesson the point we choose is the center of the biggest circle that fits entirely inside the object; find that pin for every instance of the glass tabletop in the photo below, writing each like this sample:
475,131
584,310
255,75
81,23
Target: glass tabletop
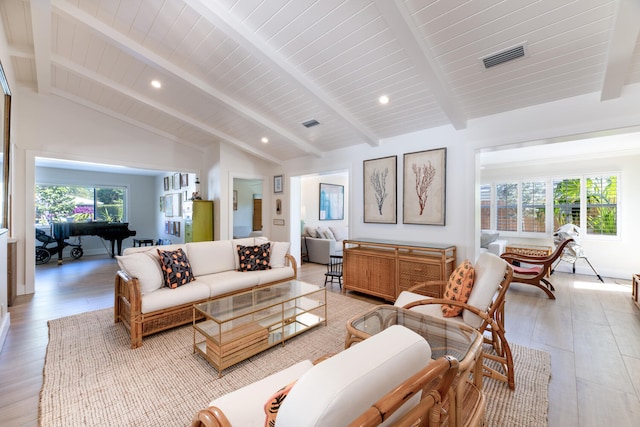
446,337
233,306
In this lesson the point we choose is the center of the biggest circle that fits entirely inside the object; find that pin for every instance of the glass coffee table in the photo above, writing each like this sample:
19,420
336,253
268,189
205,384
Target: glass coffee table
231,329
446,338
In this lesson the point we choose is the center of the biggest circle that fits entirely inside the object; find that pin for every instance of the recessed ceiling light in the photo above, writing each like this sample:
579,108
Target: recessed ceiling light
156,84
264,139
384,99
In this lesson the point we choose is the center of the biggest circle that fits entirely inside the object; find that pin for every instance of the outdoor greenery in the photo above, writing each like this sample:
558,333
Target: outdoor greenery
55,203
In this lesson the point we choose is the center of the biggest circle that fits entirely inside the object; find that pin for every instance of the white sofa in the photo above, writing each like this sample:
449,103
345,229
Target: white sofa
490,242
333,392
321,242
145,305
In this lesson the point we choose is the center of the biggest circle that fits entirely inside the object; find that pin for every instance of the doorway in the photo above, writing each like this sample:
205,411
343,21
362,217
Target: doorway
247,207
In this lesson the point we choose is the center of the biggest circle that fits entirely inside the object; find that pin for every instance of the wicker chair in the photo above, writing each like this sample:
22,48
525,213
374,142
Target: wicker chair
539,266
483,311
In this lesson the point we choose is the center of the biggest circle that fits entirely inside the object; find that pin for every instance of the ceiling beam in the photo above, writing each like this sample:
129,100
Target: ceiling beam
41,27
218,16
153,59
402,25
138,97
624,36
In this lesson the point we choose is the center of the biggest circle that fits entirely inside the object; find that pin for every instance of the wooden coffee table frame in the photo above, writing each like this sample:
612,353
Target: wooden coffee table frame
242,325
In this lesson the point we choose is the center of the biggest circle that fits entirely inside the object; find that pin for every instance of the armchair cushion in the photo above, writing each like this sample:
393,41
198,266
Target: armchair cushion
489,271
337,390
458,288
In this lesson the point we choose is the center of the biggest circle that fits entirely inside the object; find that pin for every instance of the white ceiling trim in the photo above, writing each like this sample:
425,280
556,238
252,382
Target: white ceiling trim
219,17
621,46
41,26
136,96
410,39
155,60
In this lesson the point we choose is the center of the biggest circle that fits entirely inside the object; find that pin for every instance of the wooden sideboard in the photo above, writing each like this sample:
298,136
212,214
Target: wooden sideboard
385,268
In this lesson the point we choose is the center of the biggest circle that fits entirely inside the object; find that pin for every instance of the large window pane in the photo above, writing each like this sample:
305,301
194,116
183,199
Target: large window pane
533,206
57,203
507,207
566,202
602,199
485,207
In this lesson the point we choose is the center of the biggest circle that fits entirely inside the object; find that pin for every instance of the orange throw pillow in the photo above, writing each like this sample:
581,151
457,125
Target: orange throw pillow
458,288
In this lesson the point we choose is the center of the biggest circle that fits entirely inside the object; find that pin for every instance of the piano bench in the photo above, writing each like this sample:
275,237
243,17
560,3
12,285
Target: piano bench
145,242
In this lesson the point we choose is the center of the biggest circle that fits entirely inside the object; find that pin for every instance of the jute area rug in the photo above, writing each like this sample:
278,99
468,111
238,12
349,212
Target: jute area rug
93,378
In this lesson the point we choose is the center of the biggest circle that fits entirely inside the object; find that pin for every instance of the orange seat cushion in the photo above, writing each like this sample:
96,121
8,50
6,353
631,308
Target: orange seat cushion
458,288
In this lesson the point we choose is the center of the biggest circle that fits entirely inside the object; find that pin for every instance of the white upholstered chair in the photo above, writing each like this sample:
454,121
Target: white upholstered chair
483,311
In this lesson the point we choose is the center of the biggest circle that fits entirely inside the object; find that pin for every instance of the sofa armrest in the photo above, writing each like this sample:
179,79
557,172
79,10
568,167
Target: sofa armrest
127,306
292,262
319,250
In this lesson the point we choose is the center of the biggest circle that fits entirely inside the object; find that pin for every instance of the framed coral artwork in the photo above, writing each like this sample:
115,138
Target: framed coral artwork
380,189
424,187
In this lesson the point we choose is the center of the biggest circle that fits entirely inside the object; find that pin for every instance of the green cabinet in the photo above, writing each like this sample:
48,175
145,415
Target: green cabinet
198,224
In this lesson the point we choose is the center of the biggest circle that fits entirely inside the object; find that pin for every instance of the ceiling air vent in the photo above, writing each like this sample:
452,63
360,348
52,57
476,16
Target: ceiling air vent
504,56
310,123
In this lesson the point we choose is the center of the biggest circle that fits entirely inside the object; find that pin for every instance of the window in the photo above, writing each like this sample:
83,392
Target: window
55,203
566,202
485,207
602,208
534,206
507,207
590,202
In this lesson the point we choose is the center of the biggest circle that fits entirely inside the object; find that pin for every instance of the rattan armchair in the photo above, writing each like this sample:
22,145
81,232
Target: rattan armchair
538,267
488,319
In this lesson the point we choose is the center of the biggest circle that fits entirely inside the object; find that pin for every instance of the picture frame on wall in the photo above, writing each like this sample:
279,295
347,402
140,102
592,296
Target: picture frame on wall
176,181
184,180
176,204
235,200
168,205
278,186
424,187
331,202
380,190
166,183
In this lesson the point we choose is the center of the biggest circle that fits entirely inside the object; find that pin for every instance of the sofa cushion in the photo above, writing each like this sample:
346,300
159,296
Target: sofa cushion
486,238
277,258
248,241
211,257
236,407
145,268
337,390
253,258
458,288
274,275
164,297
339,233
231,281
176,268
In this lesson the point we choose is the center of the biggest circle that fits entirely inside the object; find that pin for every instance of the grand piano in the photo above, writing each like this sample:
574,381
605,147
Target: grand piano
115,232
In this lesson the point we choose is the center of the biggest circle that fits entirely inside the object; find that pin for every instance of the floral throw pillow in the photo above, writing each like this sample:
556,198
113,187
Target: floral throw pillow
458,288
175,268
253,258
272,406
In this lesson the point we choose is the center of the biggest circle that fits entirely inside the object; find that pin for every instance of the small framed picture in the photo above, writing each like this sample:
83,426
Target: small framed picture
166,183
184,180
176,181
277,184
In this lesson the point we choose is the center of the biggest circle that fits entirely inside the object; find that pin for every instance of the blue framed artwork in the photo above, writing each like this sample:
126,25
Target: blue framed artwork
331,202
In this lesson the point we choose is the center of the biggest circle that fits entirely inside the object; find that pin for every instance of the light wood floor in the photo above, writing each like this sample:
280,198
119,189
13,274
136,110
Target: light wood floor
591,330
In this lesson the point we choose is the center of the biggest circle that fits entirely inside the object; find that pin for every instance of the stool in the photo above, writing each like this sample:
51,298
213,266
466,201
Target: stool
140,242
